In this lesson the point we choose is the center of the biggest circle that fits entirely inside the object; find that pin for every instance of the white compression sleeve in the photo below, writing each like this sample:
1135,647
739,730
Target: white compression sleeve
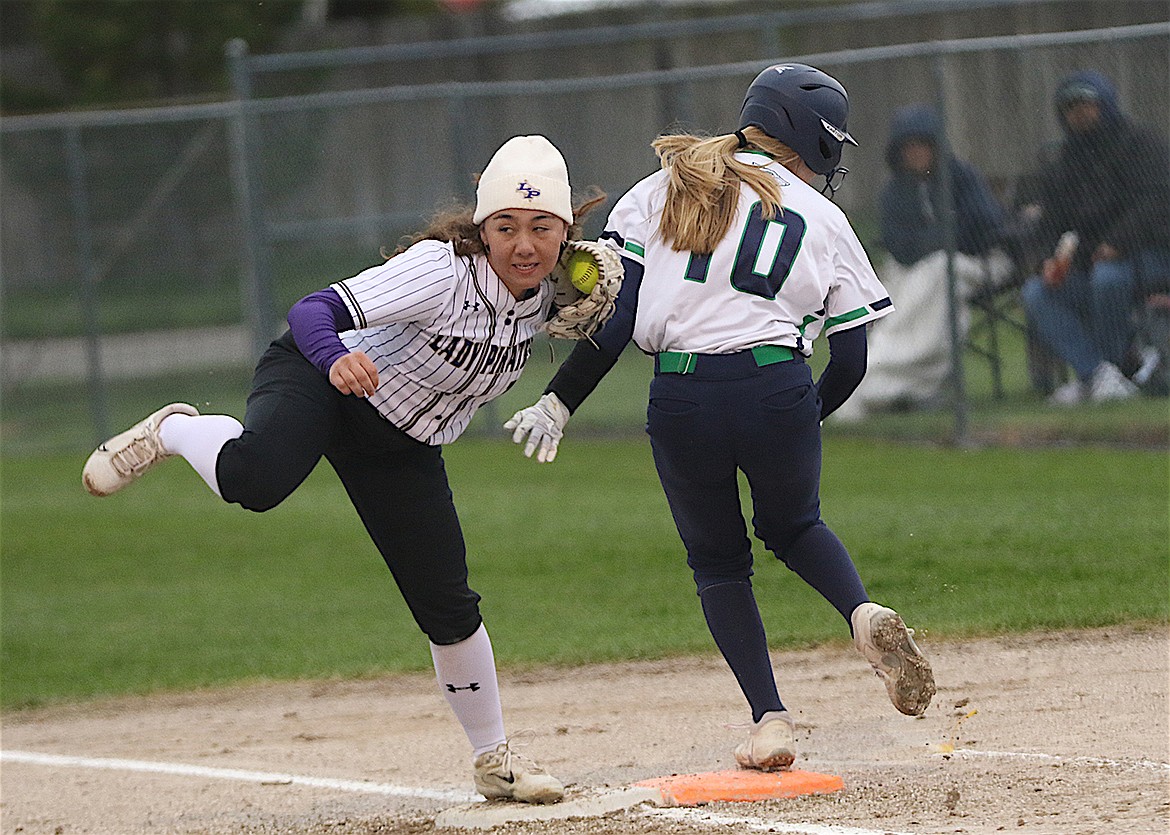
199,438
466,672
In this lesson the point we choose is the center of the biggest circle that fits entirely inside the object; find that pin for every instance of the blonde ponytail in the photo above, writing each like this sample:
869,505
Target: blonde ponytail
703,187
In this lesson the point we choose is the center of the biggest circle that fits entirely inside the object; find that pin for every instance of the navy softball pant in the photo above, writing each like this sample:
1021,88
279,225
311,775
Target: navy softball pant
397,484
728,415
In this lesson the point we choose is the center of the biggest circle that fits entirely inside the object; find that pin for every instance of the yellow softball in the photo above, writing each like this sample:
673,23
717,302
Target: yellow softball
582,271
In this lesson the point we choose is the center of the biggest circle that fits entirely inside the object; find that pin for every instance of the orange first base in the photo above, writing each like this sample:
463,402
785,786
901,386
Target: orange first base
731,786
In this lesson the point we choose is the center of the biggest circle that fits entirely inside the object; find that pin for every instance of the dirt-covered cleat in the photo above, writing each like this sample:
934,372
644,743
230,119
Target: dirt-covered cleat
504,774
771,744
123,458
880,635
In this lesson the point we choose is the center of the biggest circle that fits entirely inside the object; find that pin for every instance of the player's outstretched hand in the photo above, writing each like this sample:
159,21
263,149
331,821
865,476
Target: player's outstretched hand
543,424
354,373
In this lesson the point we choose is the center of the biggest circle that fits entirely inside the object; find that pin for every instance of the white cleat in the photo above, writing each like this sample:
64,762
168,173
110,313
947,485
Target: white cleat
880,635
504,774
771,744
125,457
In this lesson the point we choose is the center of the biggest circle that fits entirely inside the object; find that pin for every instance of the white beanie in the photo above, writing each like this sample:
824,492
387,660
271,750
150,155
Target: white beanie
527,172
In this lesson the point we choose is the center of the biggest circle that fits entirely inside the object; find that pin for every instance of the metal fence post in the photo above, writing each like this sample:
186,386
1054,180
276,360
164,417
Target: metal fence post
83,235
460,132
770,45
257,289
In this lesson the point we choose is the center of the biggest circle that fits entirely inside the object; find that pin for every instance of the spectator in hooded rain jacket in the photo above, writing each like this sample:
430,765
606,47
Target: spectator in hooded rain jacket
1103,210
909,351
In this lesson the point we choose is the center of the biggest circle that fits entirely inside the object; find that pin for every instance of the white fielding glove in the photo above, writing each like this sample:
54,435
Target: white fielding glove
543,423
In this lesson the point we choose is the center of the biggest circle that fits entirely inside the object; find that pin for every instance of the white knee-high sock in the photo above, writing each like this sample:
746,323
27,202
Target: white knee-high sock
199,438
467,676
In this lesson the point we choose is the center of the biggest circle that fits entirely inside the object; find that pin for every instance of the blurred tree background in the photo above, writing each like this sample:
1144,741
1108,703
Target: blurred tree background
63,54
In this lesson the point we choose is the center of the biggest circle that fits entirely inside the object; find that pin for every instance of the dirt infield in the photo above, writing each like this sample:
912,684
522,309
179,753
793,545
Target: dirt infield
1052,734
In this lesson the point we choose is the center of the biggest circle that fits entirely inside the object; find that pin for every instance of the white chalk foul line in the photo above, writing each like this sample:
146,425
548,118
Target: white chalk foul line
270,778
691,816
1054,758
758,824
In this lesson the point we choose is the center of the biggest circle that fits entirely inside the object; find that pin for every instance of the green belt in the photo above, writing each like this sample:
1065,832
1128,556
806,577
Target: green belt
678,362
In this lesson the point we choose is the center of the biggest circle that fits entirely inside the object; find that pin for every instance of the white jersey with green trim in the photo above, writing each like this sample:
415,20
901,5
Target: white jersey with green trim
445,334
783,281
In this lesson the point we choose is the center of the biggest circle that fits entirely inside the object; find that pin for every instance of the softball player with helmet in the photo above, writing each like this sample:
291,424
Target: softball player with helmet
734,264
375,374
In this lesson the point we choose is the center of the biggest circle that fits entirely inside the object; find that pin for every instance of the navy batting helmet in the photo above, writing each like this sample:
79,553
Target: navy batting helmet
802,107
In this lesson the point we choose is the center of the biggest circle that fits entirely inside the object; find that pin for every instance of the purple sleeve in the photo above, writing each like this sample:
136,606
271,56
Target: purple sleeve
315,322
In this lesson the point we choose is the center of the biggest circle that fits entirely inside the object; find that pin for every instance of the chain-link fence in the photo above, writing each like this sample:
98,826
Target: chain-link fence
147,250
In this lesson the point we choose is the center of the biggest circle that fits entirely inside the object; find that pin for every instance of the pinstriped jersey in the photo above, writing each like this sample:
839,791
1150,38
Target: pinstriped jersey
779,281
445,334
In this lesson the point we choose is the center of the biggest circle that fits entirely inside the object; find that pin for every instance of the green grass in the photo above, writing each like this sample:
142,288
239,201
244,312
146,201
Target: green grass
163,587
45,418
129,299
55,311
1053,518
42,417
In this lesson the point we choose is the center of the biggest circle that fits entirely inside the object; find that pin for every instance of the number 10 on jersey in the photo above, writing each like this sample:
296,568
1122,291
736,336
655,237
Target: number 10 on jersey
764,258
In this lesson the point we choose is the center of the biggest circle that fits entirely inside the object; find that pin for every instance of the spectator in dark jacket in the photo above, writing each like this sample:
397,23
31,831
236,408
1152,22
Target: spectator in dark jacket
911,200
909,351
1103,210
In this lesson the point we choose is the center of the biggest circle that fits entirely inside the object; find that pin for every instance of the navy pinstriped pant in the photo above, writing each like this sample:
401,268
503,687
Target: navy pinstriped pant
397,484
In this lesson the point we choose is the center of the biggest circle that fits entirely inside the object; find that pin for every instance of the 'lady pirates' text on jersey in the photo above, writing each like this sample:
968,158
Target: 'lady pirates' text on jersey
444,333
779,281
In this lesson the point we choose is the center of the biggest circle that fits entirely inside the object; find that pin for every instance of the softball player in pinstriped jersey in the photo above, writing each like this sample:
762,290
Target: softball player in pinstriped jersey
734,264
444,339
375,373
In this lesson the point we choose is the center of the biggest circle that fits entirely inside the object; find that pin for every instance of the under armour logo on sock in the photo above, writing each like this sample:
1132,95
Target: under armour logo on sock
472,687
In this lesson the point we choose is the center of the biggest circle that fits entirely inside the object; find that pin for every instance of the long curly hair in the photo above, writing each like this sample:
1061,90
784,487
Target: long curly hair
703,187
453,224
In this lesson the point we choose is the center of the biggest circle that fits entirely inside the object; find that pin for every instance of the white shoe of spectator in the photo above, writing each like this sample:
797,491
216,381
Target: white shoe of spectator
1108,383
1150,360
1070,394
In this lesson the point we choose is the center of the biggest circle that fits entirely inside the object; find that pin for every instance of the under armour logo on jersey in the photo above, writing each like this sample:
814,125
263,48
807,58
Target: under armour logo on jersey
472,687
528,191
470,306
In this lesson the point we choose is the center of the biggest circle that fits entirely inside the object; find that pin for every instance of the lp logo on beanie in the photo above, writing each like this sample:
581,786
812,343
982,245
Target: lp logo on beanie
527,172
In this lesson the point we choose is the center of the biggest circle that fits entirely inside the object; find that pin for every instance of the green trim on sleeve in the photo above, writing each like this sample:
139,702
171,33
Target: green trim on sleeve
637,249
833,321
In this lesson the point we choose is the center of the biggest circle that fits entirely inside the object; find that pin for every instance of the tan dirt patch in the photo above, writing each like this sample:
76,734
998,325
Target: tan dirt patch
1053,734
